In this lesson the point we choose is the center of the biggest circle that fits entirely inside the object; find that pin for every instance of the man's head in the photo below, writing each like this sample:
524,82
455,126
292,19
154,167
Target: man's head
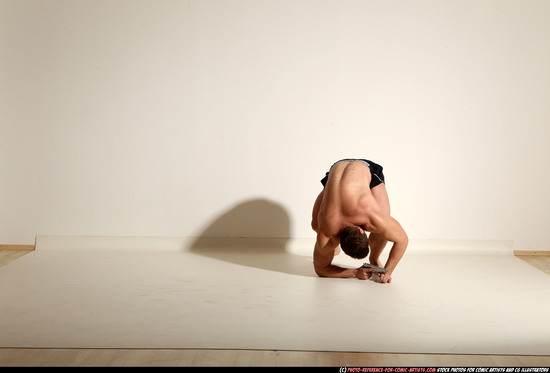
354,242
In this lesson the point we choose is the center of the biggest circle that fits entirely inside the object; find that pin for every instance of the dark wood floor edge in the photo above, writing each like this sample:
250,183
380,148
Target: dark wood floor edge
17,247
531,253
263,350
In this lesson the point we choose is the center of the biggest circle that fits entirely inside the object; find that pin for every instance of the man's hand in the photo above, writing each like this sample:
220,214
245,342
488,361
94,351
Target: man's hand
385,278
364,273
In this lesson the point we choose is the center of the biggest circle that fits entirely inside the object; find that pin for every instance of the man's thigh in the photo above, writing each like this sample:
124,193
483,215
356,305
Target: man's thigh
376,241
380,194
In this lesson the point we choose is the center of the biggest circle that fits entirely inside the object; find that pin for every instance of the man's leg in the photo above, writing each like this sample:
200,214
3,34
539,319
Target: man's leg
377,243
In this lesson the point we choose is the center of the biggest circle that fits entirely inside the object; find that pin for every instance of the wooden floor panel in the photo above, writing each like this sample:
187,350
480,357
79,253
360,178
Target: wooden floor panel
241,358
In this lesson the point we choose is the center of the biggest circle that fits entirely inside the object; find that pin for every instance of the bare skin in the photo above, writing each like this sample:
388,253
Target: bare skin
346,201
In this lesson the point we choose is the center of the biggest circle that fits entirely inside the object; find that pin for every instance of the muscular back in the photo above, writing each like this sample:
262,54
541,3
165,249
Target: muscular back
347,199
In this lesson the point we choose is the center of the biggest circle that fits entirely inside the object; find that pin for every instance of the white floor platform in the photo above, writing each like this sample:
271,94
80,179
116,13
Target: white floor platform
263,298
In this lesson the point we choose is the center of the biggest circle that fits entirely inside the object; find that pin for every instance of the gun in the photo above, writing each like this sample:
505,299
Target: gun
378,269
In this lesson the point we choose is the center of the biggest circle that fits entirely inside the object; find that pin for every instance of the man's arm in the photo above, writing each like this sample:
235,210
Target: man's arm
315,214
392,231
323,254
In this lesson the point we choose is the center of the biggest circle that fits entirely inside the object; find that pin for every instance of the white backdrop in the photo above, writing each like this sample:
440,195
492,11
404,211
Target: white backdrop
156,117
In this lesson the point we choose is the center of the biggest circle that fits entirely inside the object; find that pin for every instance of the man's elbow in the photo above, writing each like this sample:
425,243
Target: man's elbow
320,274
405,239
319,271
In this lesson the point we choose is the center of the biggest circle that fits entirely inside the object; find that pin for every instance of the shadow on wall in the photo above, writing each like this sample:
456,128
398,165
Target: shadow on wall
266,227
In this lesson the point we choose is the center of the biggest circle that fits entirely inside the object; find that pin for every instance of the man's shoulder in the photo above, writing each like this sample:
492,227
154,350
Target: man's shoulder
329,228
328,233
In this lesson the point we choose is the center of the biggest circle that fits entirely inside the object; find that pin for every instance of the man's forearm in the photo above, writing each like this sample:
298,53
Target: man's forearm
397,251
336,271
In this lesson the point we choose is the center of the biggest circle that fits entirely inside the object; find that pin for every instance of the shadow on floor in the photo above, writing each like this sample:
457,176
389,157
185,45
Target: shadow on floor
266,227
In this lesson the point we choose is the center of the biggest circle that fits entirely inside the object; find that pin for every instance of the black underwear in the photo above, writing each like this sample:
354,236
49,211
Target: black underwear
377,177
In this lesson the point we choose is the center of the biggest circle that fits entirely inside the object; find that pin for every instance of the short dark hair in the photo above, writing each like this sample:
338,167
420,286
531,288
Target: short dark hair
354,243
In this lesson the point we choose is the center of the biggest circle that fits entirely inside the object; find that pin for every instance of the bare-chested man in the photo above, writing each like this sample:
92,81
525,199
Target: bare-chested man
354,201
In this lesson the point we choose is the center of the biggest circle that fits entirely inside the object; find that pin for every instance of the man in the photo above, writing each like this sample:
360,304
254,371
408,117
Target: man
354,201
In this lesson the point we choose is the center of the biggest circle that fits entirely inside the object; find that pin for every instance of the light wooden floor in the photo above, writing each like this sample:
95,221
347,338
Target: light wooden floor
198,358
